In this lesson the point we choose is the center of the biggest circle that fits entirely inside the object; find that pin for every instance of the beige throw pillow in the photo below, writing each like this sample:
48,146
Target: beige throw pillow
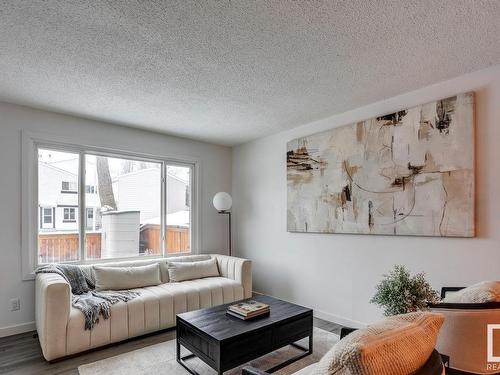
486,291
401,344
181,271
115,278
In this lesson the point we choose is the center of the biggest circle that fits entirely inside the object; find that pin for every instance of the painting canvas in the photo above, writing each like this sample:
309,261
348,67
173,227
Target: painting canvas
407,173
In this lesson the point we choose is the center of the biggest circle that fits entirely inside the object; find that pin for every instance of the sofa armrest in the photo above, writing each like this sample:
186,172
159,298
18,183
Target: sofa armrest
52,308
464,306
446,289
238,269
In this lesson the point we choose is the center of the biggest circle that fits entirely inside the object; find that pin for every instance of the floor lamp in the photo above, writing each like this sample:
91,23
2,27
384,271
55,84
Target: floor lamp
222,203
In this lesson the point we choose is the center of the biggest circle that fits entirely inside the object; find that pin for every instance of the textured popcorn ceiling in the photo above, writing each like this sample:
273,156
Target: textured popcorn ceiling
231,71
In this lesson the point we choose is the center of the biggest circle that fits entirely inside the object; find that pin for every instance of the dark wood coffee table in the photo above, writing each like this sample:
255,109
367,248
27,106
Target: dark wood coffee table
224,342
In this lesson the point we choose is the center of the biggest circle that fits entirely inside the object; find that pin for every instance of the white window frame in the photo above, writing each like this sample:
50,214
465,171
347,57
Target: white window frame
31,141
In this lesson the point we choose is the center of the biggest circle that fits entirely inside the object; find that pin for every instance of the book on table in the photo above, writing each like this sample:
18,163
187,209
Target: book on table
248,309
236,315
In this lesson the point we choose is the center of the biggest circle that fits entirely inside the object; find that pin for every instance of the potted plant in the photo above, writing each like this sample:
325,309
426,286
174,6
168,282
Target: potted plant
399,292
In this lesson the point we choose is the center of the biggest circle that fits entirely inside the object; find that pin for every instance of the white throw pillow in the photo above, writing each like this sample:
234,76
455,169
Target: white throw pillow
401,344
486,291
181,271
115,278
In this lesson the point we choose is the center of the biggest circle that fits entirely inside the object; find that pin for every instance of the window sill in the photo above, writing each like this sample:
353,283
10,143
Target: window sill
69,221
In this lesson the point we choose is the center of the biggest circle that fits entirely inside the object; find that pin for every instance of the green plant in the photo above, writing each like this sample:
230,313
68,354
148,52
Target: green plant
400,293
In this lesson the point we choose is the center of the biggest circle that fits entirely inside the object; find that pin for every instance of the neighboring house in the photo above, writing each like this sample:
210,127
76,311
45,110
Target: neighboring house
136,189
58,201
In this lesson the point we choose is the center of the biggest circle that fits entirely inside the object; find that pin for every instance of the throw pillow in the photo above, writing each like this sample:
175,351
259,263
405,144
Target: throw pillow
486,291
181,271
115,278
401,344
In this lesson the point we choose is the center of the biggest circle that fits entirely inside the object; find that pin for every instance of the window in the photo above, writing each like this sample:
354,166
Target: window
129,206
90,189
130,202
46,218
59,237
69,214
178,209
69,187
89,218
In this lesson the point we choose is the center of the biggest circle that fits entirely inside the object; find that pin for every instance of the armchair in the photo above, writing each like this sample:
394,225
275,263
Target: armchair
463,336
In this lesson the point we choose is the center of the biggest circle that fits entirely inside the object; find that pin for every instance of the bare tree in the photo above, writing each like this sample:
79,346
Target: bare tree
105,185
127,166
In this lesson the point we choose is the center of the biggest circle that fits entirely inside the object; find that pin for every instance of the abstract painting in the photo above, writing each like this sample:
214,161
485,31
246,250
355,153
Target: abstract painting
407,173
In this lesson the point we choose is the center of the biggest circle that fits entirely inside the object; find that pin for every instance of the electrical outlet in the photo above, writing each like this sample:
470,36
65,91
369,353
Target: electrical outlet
15,304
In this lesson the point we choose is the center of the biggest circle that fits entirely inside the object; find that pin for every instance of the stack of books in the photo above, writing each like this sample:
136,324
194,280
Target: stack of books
248,309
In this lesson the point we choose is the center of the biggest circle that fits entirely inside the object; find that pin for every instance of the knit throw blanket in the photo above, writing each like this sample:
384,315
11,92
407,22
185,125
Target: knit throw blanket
83,296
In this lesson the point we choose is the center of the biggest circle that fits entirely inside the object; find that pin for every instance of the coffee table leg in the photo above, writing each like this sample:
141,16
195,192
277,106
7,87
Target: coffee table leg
182,360
311,343
306,352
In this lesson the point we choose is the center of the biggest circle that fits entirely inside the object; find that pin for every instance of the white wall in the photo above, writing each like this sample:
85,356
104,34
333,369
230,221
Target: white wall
215,175
336,274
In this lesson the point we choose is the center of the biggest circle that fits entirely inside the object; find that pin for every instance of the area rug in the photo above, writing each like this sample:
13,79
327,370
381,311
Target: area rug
159,359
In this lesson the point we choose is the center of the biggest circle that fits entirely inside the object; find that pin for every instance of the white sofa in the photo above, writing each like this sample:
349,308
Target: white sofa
61,327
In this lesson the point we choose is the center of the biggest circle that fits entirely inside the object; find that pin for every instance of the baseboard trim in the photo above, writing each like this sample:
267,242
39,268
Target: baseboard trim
17,329
330,317
338,319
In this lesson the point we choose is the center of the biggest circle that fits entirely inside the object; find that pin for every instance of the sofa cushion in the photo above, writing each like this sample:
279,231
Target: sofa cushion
483,292
89,269
181,271
113,278
397,345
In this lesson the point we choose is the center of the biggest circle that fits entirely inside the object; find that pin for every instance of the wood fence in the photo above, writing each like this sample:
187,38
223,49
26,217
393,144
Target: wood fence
177,239
63,247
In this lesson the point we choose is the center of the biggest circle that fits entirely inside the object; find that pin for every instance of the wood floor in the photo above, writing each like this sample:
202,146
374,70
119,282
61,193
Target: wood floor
21,354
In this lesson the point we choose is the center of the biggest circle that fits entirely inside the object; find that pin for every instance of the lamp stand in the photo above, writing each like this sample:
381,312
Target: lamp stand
228,213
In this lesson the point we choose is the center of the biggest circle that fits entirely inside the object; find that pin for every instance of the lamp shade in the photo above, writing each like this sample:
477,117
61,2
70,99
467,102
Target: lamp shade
222,201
